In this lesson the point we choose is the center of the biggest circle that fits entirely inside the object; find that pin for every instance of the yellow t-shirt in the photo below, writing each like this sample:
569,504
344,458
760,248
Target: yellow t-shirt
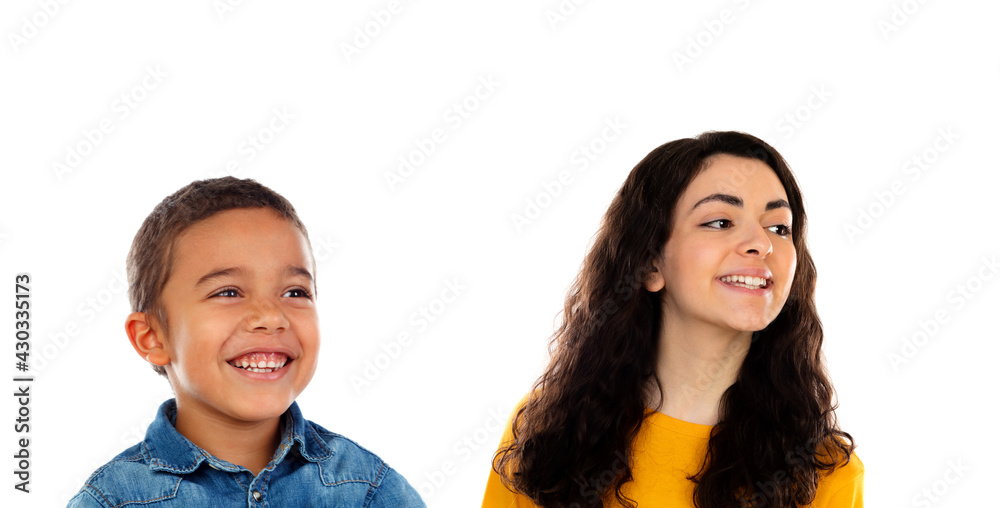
667,451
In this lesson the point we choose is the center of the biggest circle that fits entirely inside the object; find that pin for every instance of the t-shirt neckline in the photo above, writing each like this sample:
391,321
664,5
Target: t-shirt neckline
679,426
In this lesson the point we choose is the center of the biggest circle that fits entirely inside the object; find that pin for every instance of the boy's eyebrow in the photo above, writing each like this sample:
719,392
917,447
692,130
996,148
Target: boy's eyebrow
298,270
225,272
243,271
737,202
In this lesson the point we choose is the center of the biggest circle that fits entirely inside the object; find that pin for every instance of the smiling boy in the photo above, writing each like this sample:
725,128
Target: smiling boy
222,286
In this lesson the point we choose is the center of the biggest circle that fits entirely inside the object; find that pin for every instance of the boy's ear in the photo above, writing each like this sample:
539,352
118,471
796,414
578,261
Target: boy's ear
654,280
145,339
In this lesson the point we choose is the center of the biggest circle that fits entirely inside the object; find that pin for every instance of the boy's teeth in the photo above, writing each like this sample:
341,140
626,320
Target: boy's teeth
260,362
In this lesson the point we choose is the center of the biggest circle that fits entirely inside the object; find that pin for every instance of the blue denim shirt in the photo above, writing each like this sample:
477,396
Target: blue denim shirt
311,467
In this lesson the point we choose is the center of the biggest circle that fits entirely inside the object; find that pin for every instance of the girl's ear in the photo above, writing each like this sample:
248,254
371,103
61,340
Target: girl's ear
654,280
146,339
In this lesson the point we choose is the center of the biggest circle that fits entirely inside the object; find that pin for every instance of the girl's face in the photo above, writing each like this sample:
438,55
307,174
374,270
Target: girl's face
730,259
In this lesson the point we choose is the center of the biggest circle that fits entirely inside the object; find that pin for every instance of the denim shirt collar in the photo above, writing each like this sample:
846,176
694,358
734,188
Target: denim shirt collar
167,450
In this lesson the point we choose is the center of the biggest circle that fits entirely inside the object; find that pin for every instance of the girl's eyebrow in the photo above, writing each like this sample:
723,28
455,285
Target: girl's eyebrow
737,202
725,198
777,203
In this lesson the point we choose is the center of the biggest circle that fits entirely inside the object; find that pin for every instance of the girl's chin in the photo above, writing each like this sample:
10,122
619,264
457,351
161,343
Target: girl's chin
749,326
751,320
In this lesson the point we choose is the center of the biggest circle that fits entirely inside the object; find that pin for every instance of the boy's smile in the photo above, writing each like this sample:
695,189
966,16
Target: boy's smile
260,362
243,332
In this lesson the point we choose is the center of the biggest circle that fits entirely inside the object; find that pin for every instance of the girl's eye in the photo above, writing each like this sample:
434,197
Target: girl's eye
228,292
719,224
298,293
781,230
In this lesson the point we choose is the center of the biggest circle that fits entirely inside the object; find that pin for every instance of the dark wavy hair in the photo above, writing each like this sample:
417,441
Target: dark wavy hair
777,426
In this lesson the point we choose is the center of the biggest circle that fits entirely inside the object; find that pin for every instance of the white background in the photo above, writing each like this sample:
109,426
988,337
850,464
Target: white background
871,90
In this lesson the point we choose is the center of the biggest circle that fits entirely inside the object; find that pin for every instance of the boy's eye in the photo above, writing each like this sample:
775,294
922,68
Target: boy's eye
719,224
780,230
298,293
228,292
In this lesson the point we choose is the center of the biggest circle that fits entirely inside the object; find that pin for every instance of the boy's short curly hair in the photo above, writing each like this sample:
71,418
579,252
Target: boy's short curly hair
150,257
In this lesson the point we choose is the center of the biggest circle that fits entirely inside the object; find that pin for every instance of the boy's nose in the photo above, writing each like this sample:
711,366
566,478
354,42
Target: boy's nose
266,316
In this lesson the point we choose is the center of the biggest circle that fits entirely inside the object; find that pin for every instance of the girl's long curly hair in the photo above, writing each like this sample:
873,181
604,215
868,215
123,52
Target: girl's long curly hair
777,429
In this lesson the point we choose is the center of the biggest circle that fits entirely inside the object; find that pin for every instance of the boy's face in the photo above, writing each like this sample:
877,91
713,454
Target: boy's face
240,292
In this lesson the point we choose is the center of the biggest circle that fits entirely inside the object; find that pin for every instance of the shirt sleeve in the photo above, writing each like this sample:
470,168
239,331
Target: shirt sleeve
499,496
396,492
843,488
84,499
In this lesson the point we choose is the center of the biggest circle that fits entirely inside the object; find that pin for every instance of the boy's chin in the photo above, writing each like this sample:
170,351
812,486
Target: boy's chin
256,409
260,413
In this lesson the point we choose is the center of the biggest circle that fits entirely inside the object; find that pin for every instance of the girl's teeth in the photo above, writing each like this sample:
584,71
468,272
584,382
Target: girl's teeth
745,281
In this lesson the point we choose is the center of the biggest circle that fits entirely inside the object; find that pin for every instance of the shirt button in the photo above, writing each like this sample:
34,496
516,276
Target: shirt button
256,496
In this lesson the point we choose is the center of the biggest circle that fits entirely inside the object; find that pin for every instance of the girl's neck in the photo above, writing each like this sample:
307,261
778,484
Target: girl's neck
695,366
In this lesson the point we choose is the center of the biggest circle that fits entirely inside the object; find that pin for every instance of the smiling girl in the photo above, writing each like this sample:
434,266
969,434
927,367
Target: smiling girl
687,370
